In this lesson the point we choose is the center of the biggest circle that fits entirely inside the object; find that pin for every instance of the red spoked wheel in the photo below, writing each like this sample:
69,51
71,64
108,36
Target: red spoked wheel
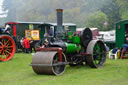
7,47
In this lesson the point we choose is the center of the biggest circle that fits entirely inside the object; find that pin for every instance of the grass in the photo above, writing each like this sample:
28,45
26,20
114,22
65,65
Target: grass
18,72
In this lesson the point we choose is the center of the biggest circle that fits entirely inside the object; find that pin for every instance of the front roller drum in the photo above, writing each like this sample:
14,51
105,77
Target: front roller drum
48,63
97,50
7,47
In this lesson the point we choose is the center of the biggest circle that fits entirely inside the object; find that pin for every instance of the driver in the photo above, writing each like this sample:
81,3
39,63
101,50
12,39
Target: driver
7,29
48,38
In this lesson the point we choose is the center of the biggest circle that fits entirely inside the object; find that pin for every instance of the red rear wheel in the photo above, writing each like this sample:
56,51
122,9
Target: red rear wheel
7,47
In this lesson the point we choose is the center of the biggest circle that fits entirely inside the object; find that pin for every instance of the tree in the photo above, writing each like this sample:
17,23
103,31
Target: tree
123,8
112,10
97,20
44,10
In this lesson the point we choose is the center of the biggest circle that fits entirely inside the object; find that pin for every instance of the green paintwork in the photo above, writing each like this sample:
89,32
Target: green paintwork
120,33
79,48
97,58
21,27
76,39
0,31
72,48
42,31
20,30
70,35
72,28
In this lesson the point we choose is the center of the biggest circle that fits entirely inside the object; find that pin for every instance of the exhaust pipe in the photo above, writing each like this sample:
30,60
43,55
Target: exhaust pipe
60,29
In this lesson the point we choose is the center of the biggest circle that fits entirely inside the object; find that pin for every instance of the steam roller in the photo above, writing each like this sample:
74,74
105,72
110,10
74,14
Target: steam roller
67,48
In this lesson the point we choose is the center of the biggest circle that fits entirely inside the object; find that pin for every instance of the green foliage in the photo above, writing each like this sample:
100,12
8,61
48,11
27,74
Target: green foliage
123,8
75,11
125,15
112,10
74,15
97,20
44,10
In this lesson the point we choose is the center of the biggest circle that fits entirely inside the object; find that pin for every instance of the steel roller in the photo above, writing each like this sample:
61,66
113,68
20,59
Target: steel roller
98,53
48,63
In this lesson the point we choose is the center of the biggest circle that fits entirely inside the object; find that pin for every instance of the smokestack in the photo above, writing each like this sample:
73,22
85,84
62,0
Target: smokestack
59,21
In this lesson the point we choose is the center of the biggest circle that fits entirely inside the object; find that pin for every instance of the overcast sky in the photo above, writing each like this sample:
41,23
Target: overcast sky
1,1
1,5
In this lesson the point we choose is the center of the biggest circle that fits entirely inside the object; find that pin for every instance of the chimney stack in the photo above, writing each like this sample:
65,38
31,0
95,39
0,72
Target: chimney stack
60,29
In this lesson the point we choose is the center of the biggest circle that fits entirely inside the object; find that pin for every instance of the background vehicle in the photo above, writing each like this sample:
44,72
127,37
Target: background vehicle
7,45
33,30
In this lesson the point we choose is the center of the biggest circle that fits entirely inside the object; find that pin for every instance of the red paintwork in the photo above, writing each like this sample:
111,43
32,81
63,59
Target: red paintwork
9,52
52,49
123,54
85,54
11,23
14,30
26,43
13,27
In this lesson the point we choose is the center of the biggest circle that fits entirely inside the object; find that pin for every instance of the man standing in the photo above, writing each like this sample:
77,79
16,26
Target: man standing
32,45
26,45
21,42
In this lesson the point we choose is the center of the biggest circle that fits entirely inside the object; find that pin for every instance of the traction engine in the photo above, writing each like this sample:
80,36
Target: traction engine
66,47
7,46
